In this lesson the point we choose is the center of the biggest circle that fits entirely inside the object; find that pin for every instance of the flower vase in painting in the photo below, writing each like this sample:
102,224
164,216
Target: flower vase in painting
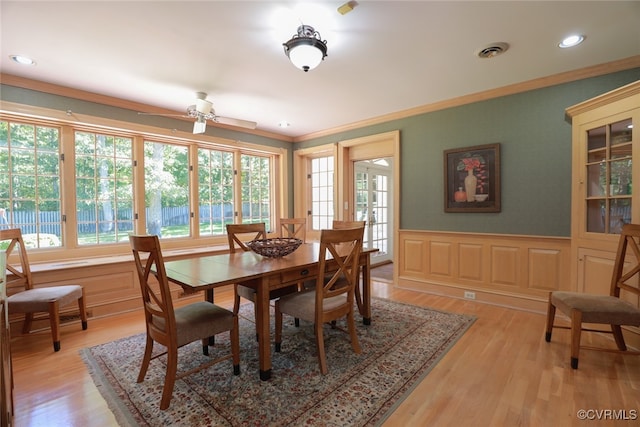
471,181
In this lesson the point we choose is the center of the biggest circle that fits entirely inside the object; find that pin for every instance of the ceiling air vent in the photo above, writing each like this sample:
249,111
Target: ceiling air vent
494,49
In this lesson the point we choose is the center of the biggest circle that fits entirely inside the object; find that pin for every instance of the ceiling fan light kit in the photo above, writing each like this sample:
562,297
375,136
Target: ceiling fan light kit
306,49
200,125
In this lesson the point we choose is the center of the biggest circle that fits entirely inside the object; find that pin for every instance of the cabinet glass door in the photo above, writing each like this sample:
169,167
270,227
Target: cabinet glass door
608,177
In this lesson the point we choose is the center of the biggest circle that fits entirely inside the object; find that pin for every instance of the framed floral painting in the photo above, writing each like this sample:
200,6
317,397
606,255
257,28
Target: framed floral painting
472,179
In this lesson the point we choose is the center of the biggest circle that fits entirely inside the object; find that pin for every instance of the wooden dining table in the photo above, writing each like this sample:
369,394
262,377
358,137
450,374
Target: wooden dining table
205,273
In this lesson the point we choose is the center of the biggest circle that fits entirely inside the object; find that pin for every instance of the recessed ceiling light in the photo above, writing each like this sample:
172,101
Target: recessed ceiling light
571,41
284,124
23,60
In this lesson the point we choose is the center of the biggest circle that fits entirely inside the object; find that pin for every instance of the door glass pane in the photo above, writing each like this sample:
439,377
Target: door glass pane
595,215
597,175
322,192
619,214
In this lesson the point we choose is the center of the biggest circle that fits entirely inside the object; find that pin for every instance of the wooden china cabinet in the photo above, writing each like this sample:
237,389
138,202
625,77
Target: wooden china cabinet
605,182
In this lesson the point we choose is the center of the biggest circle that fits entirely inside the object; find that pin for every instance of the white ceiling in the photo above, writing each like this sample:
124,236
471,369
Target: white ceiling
383,57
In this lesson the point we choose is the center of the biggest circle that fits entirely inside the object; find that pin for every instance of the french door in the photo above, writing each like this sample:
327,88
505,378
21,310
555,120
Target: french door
373,199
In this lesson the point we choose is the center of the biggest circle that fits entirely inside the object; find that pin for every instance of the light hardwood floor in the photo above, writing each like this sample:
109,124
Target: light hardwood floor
500,373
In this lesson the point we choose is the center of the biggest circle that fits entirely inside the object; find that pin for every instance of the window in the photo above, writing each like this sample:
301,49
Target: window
215,190
30,182
255,188
166,181
322,192
104,188
79,189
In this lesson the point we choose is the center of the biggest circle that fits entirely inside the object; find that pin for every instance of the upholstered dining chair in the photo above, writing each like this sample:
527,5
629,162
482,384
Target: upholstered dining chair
620,307
238,235
29,299
176,327
327,302
294,228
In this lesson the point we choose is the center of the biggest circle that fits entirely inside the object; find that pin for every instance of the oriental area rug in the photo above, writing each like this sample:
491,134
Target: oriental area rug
399,348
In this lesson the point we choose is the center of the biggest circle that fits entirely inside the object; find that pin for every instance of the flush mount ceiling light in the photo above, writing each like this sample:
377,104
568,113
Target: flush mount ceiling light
571,41
22,60
306,49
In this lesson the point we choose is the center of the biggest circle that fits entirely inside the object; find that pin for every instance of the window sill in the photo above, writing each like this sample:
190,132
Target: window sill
168,255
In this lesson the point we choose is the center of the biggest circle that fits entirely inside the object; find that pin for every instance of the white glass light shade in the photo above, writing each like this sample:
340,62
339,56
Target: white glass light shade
305,57
200,125
203,106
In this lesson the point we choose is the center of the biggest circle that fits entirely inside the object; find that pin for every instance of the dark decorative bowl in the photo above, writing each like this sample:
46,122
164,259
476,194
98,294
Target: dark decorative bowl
276,247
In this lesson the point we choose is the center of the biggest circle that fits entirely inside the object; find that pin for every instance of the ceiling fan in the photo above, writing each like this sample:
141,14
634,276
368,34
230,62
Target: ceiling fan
202,111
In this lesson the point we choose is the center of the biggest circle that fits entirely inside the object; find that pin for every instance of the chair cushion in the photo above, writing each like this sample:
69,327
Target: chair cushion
201,319
597,308
303,304
38,299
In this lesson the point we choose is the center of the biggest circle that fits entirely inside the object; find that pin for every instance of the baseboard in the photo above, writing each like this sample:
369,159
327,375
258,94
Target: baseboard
519,302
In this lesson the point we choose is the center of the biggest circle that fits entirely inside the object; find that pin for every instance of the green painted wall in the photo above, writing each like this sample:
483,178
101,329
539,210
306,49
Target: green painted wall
535,143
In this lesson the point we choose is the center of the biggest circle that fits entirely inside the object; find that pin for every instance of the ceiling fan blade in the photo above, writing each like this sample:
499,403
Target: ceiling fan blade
235,122
163,115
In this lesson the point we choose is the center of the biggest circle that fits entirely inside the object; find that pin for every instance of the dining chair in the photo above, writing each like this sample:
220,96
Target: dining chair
176,327
294,228
238,235
29,299
327,303
612,309
339,224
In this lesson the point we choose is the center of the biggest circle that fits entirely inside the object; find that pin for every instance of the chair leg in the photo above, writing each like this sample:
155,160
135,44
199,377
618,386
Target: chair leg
296,321
551,314
234,336
576,330
255,314
351,322
236,300
617,334
358,294
170,377
322,359
205,346
278,327
54,320
83,311
28,320
146,359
